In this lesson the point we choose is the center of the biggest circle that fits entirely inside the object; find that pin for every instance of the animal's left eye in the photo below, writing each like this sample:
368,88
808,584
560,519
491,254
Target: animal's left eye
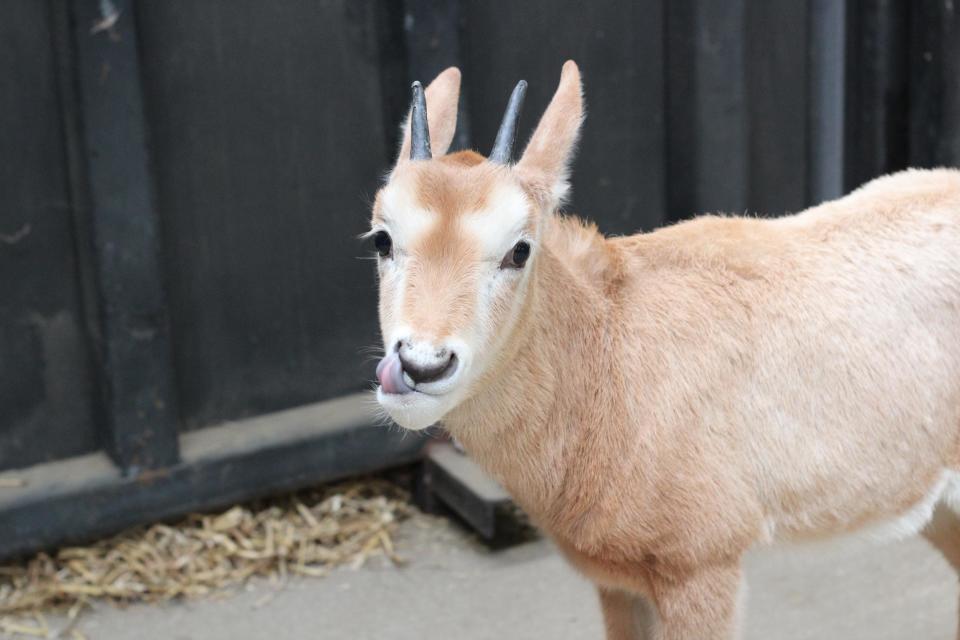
517,256
383,243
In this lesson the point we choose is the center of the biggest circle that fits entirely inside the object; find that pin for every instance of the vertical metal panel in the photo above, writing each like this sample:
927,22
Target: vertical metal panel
432,36
707,127
935,83
47,385
393,71
680,95
827,39
777,67
619,179
720,109
267,127
738,107
875,140
141,407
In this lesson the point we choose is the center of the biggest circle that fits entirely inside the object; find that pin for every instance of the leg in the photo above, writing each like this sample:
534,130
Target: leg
705,605
943,532
626,616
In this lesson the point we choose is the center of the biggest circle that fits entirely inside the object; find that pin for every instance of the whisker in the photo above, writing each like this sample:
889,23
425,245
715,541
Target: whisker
371,353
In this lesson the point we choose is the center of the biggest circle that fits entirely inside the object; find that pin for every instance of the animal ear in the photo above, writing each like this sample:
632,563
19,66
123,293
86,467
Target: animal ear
545,164
442,96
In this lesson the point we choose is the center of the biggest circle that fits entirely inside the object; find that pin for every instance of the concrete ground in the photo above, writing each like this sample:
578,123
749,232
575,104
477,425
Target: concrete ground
454,588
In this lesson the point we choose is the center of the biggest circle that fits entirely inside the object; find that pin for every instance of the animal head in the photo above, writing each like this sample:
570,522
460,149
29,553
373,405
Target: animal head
458,238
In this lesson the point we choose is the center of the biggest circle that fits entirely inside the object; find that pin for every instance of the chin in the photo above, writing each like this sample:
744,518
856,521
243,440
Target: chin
414,411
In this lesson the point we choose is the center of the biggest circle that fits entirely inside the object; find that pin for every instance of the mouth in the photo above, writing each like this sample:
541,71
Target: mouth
416,398
397,382
413,404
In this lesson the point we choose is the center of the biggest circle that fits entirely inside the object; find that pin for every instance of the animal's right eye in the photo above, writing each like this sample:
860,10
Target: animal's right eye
517,256
383,243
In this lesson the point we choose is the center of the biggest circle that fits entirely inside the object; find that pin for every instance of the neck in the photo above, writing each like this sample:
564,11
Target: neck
537,417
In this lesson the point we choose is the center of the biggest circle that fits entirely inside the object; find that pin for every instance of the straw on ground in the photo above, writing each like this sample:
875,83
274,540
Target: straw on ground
302,534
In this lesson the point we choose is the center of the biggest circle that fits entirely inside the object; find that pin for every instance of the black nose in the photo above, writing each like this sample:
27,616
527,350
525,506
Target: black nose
440,364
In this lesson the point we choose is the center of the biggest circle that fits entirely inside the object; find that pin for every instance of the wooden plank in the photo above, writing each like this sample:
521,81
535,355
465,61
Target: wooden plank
462,487
48,386
934,78
83,498
619,176
141,406
449,478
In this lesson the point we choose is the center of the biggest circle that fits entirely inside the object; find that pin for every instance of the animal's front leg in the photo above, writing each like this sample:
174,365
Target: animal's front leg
703,606
626,616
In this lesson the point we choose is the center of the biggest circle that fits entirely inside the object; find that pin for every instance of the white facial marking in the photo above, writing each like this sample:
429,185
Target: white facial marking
406,221
500,224
493,231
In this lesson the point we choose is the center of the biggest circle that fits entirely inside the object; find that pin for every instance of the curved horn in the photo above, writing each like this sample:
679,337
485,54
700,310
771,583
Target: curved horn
419,130
502,152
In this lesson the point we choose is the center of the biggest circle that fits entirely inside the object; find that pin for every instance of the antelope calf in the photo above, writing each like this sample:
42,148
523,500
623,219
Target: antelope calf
663,402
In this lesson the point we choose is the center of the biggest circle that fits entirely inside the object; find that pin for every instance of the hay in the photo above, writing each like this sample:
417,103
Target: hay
305,534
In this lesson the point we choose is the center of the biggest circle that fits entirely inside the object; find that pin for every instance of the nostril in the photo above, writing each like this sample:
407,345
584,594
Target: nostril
430,372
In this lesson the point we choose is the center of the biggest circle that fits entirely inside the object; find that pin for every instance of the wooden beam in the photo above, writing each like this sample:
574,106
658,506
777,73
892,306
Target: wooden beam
79,499
134,344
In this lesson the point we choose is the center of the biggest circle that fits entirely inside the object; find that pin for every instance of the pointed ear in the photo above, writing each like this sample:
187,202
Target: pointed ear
442,96
545,164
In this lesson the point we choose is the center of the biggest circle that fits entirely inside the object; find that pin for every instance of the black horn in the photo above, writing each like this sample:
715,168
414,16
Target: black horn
502,152
419,130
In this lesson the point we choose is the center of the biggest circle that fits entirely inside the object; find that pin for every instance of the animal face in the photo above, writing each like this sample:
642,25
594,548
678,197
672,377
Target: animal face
457,239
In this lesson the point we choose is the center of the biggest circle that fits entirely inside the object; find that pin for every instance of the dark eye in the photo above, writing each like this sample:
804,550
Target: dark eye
517,256
383,243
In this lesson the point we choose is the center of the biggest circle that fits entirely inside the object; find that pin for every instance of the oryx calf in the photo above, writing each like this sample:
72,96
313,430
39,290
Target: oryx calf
662,402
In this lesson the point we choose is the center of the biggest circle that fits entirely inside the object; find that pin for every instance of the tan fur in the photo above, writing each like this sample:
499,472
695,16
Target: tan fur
546,159
665,401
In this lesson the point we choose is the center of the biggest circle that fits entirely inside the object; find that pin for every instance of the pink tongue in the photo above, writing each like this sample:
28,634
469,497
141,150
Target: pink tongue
390,375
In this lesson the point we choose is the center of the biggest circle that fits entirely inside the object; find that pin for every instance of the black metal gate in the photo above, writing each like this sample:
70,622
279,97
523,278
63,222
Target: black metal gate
182,307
